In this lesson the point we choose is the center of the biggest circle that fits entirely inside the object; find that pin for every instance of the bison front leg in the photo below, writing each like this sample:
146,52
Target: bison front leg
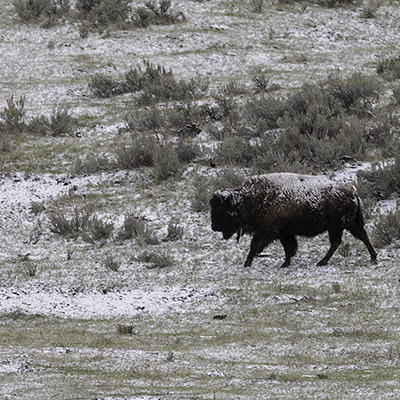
290,246
258,243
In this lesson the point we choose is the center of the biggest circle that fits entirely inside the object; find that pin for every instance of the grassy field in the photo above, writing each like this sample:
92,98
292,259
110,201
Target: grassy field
112,283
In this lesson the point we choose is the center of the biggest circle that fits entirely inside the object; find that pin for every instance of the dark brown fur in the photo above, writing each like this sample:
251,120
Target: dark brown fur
283,206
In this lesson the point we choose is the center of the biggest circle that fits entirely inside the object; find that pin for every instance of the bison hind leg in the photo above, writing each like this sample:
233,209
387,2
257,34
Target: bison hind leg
360,233
290,246
335,237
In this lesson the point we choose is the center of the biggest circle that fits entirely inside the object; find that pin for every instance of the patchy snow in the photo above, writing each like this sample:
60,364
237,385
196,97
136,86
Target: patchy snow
98,305
222,40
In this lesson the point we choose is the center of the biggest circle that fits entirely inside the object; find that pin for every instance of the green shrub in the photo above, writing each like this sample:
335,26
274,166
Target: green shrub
381,181
262,114
201,194
85,6
91,163
103,86
39,126
389,67
61,122
140,152
157,13
125,329
187,151
237,151
104,13
38,10
153,85
166,164
387,229
151,119
229,178
396,94
143,17
185,120
30,10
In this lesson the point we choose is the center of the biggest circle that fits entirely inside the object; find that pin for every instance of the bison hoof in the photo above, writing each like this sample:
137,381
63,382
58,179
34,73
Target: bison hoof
284,265
247,264
322,263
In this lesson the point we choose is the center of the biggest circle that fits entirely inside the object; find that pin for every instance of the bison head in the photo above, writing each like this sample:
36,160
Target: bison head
224,218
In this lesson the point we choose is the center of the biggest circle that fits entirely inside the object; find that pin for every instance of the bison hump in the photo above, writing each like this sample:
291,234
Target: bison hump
286,192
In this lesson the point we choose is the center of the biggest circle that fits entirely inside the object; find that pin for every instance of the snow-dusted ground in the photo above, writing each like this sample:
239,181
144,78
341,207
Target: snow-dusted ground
302,332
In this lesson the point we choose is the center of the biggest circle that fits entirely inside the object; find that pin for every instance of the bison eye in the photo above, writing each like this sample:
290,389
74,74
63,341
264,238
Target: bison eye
220,209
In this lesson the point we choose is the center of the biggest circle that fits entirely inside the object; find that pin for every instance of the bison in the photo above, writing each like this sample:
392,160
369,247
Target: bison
283,206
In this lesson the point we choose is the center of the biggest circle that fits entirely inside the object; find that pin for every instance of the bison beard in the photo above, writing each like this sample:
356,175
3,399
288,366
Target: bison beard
283,206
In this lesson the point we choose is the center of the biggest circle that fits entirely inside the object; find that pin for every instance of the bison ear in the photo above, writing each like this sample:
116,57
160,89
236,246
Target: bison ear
224,197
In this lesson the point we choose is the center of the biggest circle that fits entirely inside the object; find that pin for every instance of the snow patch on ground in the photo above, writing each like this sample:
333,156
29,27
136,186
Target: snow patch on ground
98,305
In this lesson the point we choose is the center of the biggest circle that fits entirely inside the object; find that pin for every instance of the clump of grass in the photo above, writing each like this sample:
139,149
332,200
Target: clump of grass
369,9
37,207
137,228
175,231
12,117
257,5
112,264
82,223
69,227
336,287
30,268
234,88
132,227
100,229
13,120
155,259
123,329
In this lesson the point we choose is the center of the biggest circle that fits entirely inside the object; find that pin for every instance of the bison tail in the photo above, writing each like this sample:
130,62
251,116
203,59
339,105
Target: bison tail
359,214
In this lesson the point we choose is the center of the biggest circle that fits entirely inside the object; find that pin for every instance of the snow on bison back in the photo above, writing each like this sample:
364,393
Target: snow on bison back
283,206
